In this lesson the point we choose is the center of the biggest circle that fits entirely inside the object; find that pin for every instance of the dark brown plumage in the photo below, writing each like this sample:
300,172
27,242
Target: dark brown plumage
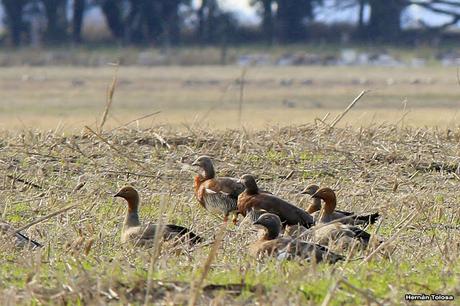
252,198
315,208
20,240
217,194
270,244
144,235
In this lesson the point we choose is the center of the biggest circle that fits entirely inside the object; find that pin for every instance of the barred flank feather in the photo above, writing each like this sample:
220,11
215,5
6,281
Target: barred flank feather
220,202
254,214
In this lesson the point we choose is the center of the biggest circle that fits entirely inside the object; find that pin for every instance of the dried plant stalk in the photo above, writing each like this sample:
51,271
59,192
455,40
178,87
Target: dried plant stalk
109,98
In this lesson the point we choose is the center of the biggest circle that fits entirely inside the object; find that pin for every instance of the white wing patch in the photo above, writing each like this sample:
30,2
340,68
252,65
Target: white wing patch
210,191
283,255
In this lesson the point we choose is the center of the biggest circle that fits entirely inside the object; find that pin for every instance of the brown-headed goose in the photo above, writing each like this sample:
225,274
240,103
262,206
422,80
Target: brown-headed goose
217,194
330,201
252,198
144,235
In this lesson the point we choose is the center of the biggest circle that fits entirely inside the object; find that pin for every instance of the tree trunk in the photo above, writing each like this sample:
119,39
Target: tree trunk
56,20
385,20
287,24
290,17
362,4
77,20
208,25
212,25
152,17
172,22
132,23
14,20
361,27
267,21
143,24
114,18
202,21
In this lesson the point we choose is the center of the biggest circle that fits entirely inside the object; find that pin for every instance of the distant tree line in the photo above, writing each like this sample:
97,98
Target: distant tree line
169,21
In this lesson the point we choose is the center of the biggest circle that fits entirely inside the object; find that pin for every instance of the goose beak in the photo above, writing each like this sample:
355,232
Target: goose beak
195,163
117,195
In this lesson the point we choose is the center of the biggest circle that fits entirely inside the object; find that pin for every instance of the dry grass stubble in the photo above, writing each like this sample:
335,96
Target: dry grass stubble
399,172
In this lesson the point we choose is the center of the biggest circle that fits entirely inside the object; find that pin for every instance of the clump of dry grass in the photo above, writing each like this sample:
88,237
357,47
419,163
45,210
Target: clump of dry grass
401,172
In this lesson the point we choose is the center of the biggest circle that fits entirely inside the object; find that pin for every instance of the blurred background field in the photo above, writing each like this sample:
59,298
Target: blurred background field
71,97
301,59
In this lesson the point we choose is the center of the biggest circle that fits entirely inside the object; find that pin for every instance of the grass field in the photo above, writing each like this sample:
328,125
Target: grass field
400,161
409,175
70,98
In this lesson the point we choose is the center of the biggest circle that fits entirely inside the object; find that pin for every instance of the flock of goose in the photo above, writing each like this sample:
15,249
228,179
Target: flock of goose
316,234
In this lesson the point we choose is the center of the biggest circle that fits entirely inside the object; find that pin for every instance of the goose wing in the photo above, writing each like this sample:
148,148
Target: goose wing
221,194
